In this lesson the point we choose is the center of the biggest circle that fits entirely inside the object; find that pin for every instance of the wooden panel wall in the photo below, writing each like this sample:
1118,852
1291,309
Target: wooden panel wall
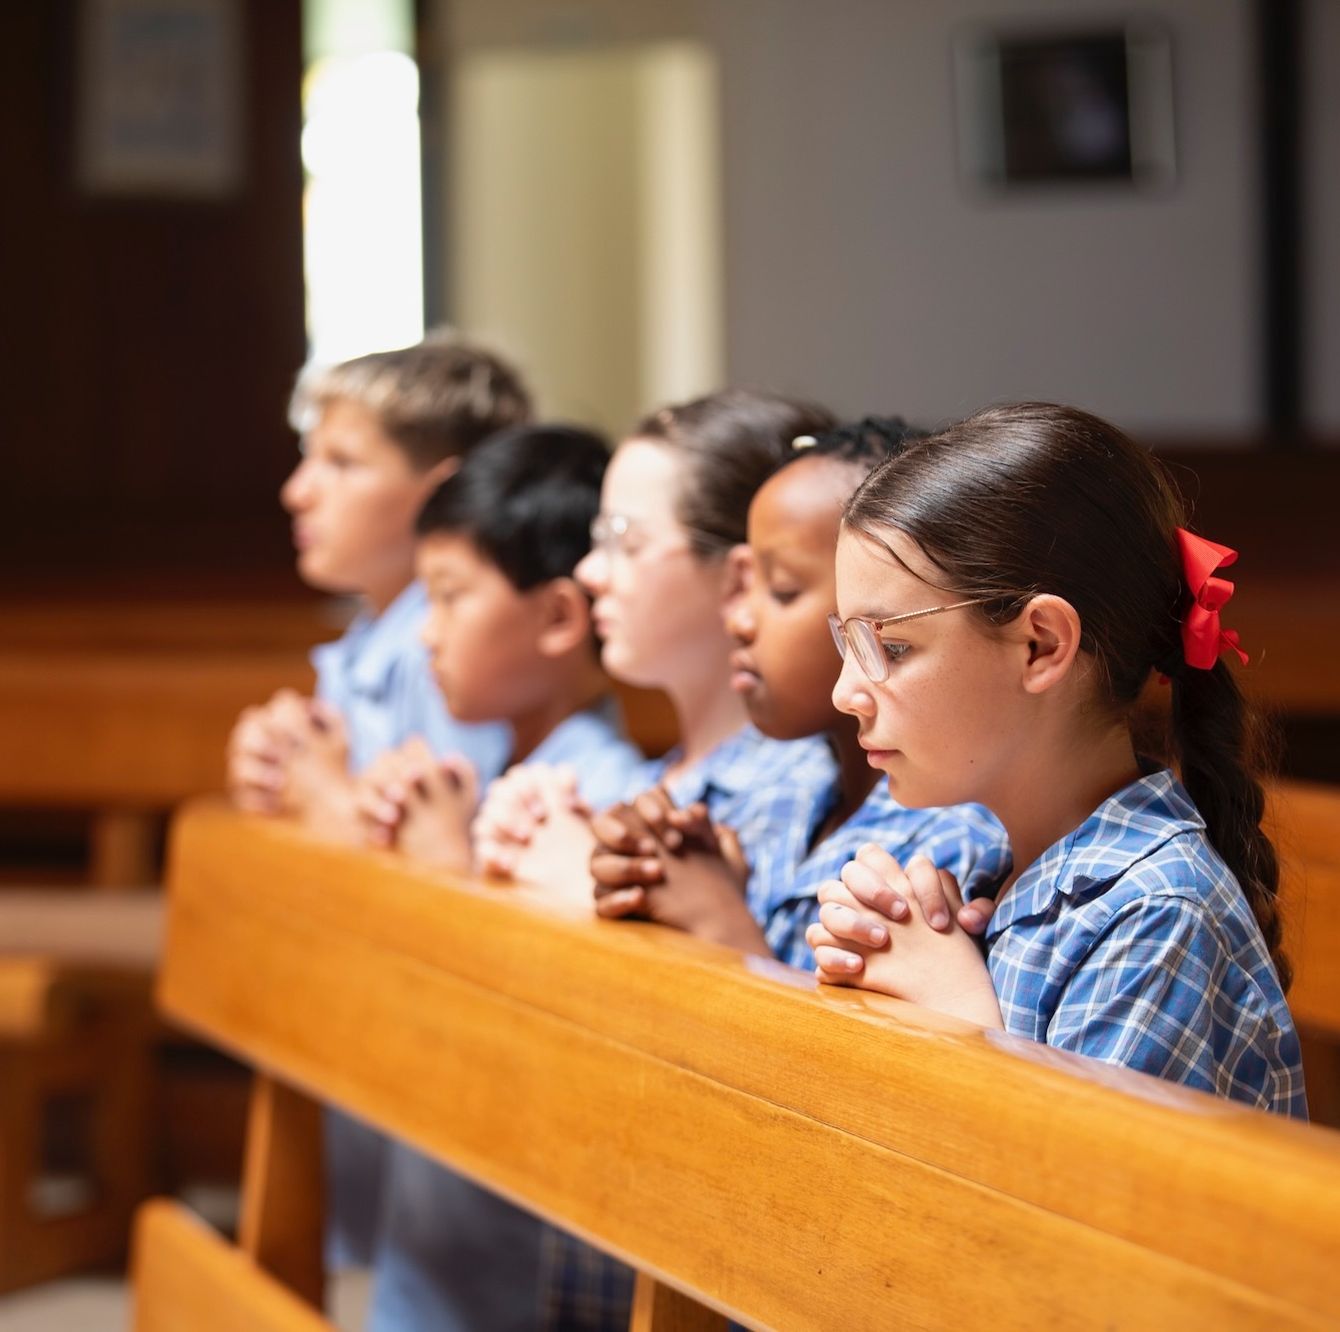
149,344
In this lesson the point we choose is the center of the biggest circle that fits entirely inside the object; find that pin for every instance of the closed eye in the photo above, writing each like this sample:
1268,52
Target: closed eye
895,651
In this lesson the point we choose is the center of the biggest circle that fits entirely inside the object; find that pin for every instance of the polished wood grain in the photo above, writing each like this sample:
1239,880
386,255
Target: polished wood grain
1304,821
188,1279
283,1198
793,1156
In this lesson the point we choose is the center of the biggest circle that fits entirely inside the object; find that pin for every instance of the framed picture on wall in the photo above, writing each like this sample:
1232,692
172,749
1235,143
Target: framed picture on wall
160,98
1038,107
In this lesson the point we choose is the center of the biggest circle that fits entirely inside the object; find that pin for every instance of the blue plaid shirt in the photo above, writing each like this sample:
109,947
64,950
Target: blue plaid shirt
759,787
378,676
784,881
1129,940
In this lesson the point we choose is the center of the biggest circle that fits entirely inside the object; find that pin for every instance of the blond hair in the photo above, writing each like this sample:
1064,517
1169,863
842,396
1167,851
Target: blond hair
436,399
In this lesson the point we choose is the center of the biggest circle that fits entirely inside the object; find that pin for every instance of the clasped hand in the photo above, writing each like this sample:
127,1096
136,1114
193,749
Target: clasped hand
905,932
419,804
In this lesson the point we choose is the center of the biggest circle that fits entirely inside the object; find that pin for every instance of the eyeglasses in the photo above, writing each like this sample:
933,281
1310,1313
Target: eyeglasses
862,637
616,534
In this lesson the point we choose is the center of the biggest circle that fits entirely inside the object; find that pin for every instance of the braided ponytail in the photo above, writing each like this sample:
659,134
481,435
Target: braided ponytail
1220,741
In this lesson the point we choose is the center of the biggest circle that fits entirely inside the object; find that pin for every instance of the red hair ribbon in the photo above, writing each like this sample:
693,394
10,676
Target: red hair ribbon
1202,638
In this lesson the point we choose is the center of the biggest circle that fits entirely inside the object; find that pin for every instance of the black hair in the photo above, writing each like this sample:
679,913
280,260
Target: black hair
1035,498
732,442
526,498
864,443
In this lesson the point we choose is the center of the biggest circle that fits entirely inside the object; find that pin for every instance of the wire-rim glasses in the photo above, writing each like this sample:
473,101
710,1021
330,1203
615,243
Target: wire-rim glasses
861,636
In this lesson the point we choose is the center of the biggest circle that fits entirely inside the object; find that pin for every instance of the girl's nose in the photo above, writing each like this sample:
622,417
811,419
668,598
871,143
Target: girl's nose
592,571
739,618
852,693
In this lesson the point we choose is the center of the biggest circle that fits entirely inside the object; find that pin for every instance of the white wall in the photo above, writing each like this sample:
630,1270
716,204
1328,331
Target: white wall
859,269
860,265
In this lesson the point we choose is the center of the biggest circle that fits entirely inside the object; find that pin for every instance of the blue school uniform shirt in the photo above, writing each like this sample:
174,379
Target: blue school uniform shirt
449,1254
1131,941
758,786
966,840
596,745
378,676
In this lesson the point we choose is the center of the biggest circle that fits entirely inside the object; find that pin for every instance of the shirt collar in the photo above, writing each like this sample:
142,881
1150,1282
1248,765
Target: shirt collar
739,763
1125,829
368,652
576,736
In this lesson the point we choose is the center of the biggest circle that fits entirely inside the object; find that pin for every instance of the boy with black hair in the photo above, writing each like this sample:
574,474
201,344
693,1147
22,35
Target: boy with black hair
510,639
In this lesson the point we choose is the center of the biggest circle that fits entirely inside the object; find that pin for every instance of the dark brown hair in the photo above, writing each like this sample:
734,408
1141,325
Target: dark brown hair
436,399
731,443
1034,498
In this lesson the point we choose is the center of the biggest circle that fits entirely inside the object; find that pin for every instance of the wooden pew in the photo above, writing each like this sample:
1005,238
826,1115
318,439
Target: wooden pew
794,1157
126,710
126,734
1304,822
79,1034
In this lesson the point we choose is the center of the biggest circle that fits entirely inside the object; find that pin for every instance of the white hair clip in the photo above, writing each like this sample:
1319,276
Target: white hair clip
803,442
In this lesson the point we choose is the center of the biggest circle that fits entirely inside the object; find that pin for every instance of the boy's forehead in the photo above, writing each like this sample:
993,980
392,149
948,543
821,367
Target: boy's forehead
347,421
437,553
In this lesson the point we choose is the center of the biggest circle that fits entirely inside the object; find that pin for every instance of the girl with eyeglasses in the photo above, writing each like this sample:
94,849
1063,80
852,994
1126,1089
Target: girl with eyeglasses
672,508
783,667
1006,588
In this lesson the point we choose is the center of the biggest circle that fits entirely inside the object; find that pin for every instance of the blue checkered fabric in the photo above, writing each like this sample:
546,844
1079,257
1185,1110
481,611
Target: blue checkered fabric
760,787
967,840
377,674
1129,940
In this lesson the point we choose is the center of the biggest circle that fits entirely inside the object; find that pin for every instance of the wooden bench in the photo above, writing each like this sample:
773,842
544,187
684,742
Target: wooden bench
127,711
756,1146
1305,825
78,1035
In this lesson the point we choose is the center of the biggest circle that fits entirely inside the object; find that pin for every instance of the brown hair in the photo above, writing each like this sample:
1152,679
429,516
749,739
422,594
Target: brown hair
1034,498
732,442
436,399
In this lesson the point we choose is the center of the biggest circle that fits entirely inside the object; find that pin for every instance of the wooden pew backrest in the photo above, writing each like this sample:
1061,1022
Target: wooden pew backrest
795,1156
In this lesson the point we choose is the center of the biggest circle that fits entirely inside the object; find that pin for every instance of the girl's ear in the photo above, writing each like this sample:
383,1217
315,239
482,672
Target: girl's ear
439,472
563,612
1050,628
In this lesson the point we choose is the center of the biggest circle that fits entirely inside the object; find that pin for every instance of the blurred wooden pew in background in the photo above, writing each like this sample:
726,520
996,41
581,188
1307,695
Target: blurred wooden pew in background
123,710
